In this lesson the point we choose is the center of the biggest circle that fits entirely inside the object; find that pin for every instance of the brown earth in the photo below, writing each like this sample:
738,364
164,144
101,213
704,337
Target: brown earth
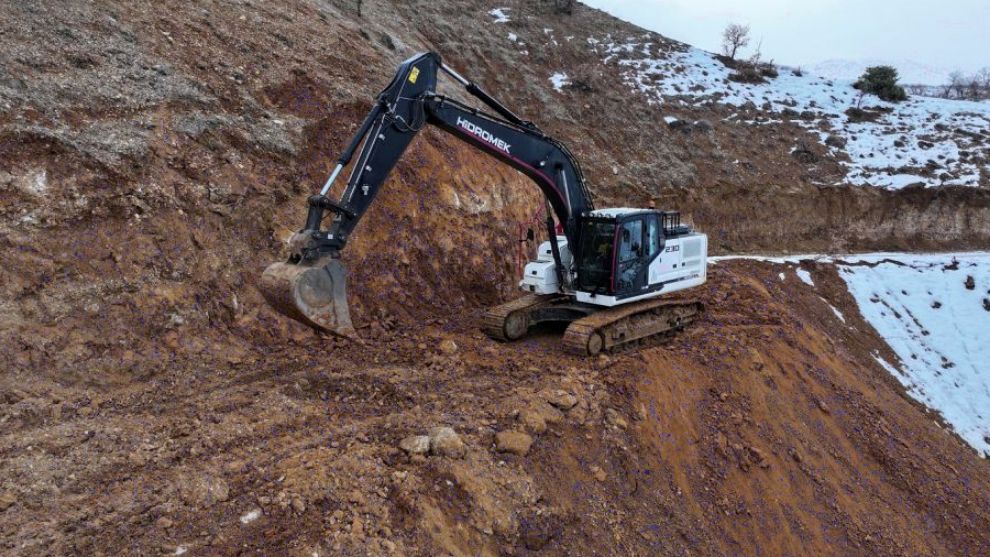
155,157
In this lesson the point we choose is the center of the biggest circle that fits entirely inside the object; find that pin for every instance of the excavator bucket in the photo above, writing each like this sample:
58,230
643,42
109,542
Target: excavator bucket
314,295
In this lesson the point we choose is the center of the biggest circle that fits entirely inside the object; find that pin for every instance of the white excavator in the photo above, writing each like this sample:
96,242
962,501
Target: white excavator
606,274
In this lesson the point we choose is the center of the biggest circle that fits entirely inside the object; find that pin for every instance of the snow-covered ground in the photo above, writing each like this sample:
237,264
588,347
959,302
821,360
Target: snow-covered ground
922,140
934,318
910,71
939,327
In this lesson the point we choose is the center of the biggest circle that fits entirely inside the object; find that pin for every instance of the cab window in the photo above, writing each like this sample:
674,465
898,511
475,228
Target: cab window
653,235
631,242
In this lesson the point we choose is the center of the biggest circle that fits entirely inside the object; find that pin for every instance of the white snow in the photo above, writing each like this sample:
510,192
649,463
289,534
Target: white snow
939,329
559,80
782,276
500,15
780,259
920,140
838,314
513,37
670,119
805,277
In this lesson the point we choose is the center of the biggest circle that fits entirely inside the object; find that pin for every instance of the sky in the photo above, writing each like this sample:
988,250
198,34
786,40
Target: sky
950,34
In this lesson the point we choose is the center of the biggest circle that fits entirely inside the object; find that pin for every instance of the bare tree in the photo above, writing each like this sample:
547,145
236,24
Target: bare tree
956,85
974,89
734,37
984,78
757,58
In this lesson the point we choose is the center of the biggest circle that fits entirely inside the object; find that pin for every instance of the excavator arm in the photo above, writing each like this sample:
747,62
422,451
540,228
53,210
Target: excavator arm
404,108
310,287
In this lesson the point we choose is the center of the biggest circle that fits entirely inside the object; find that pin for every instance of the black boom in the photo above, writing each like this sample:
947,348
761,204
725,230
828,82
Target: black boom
402,109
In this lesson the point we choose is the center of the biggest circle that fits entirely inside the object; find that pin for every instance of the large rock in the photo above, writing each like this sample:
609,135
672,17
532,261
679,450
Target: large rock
444,441
415,444
514,442
561,399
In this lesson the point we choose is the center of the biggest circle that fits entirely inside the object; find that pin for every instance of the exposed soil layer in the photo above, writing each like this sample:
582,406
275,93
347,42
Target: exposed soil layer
156,157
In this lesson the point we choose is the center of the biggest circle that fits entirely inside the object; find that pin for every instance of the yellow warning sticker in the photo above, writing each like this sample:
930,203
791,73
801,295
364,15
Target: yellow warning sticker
413,74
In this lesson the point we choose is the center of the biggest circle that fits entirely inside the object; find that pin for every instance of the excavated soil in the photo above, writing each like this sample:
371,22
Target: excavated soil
156,156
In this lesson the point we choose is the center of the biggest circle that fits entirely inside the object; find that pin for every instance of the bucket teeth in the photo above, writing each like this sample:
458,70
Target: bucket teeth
314,295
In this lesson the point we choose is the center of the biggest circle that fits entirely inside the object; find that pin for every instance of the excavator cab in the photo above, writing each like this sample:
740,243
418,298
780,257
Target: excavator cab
618,247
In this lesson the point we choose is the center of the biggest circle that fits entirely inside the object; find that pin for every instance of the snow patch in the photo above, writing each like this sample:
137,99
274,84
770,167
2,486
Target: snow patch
838,314
938,327
805,277
513,37
500,15
559,80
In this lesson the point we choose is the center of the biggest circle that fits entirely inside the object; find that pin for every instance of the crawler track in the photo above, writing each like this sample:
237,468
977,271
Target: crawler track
609,329
592,329
511,320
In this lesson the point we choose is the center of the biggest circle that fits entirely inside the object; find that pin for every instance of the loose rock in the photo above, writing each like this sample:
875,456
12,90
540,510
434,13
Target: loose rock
448,347
533,421
444,441
513,442
598,473
561,399
415,444
203,491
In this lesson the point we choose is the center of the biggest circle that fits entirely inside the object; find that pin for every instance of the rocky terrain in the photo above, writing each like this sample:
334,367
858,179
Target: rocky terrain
155,157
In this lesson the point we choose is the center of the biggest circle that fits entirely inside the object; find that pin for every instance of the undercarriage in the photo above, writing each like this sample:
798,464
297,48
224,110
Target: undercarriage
591,329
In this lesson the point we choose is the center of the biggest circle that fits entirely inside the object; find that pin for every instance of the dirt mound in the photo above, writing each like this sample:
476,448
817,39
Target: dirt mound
157,157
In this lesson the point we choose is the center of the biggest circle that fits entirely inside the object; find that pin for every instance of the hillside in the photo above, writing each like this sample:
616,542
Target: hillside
156,156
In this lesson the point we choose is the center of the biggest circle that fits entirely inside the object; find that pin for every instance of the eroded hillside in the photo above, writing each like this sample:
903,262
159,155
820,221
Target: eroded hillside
155,156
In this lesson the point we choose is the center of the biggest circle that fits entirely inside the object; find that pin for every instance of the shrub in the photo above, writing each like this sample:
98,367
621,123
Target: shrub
882,82
747,74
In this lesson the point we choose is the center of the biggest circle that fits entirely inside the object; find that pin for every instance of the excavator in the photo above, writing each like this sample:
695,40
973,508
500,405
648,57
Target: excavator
602,272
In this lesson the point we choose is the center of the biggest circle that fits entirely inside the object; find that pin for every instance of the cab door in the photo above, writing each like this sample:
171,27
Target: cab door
640,244
630,260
